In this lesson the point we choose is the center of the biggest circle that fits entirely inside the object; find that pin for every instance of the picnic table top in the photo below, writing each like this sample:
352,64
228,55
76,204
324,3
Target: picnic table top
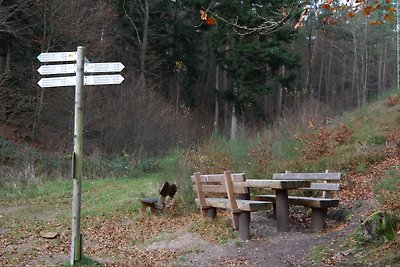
276,184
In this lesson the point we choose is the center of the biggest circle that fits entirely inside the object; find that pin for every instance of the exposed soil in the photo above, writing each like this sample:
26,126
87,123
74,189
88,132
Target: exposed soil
267,247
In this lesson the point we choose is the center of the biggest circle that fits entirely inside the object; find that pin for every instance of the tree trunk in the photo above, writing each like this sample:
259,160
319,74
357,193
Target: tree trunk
216,112
280,93
234,124
354,81
143,47
321,73
384,68
225,85
8,58
343,89
328,82
310,55
365,87
38,115
380,64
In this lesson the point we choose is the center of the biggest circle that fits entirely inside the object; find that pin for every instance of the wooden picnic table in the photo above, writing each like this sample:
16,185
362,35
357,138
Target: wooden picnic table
281,188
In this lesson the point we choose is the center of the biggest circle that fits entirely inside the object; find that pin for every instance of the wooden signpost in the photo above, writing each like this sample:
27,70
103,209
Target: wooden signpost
79,80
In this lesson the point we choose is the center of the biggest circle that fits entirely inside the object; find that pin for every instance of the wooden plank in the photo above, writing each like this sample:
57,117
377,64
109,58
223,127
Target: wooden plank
303,201
307,176
199,190
229,189
221,203
245,205
323,186
313,202
221,189
275,184
236,177
253,205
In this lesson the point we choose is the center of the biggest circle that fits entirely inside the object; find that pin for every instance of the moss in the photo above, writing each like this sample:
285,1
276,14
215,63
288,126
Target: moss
379,227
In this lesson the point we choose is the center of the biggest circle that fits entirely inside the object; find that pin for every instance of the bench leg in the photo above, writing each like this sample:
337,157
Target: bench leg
318,218
153,209
235,220
282,210
212,213
274,211
143,209
245,197
244,225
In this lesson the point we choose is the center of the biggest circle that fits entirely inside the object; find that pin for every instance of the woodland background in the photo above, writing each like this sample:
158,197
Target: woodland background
187,76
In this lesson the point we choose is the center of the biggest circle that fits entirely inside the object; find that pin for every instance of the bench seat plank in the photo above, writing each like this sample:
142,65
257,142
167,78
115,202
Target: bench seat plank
310,202
245,205
308,176
222,189
218,178
323,186
275,184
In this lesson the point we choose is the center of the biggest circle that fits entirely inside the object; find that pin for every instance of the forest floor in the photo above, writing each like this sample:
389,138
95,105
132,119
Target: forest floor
168,240
124,239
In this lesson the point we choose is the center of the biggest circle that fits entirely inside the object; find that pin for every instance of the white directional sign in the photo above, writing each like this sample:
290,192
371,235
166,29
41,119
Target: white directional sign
103,79
104,67
57,81
57,56
89,67
57,69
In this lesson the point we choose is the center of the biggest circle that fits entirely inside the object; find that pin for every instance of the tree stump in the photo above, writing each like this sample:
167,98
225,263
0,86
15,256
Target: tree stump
379,227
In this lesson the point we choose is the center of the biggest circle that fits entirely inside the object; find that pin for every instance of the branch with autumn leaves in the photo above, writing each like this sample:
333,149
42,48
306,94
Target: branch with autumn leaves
334,11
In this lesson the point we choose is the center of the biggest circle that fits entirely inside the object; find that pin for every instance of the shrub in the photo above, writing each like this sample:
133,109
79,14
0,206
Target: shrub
392,100
315,144
376,139
7,152
342,135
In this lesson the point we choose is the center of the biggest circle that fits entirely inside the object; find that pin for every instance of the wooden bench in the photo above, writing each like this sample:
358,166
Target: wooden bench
156,204
223,191
320,188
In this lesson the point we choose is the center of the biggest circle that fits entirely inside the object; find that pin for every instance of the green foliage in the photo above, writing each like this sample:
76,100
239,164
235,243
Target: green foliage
252,59
379,227
7,152
376,140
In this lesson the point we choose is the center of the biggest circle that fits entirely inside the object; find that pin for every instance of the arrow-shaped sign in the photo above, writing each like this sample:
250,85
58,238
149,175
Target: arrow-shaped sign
89,67
103,79
57,69
57,56
57,81
104,67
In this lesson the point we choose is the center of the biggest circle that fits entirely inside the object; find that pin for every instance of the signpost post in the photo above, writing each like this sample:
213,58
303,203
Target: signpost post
79,80
76,241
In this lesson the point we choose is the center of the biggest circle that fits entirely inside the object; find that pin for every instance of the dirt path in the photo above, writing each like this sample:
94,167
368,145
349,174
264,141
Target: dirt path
266,248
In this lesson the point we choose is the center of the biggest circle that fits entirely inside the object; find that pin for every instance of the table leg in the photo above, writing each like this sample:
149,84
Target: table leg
282,210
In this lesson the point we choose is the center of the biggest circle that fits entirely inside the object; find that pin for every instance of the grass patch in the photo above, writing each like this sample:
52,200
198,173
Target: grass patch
217,230
319,254
99,198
